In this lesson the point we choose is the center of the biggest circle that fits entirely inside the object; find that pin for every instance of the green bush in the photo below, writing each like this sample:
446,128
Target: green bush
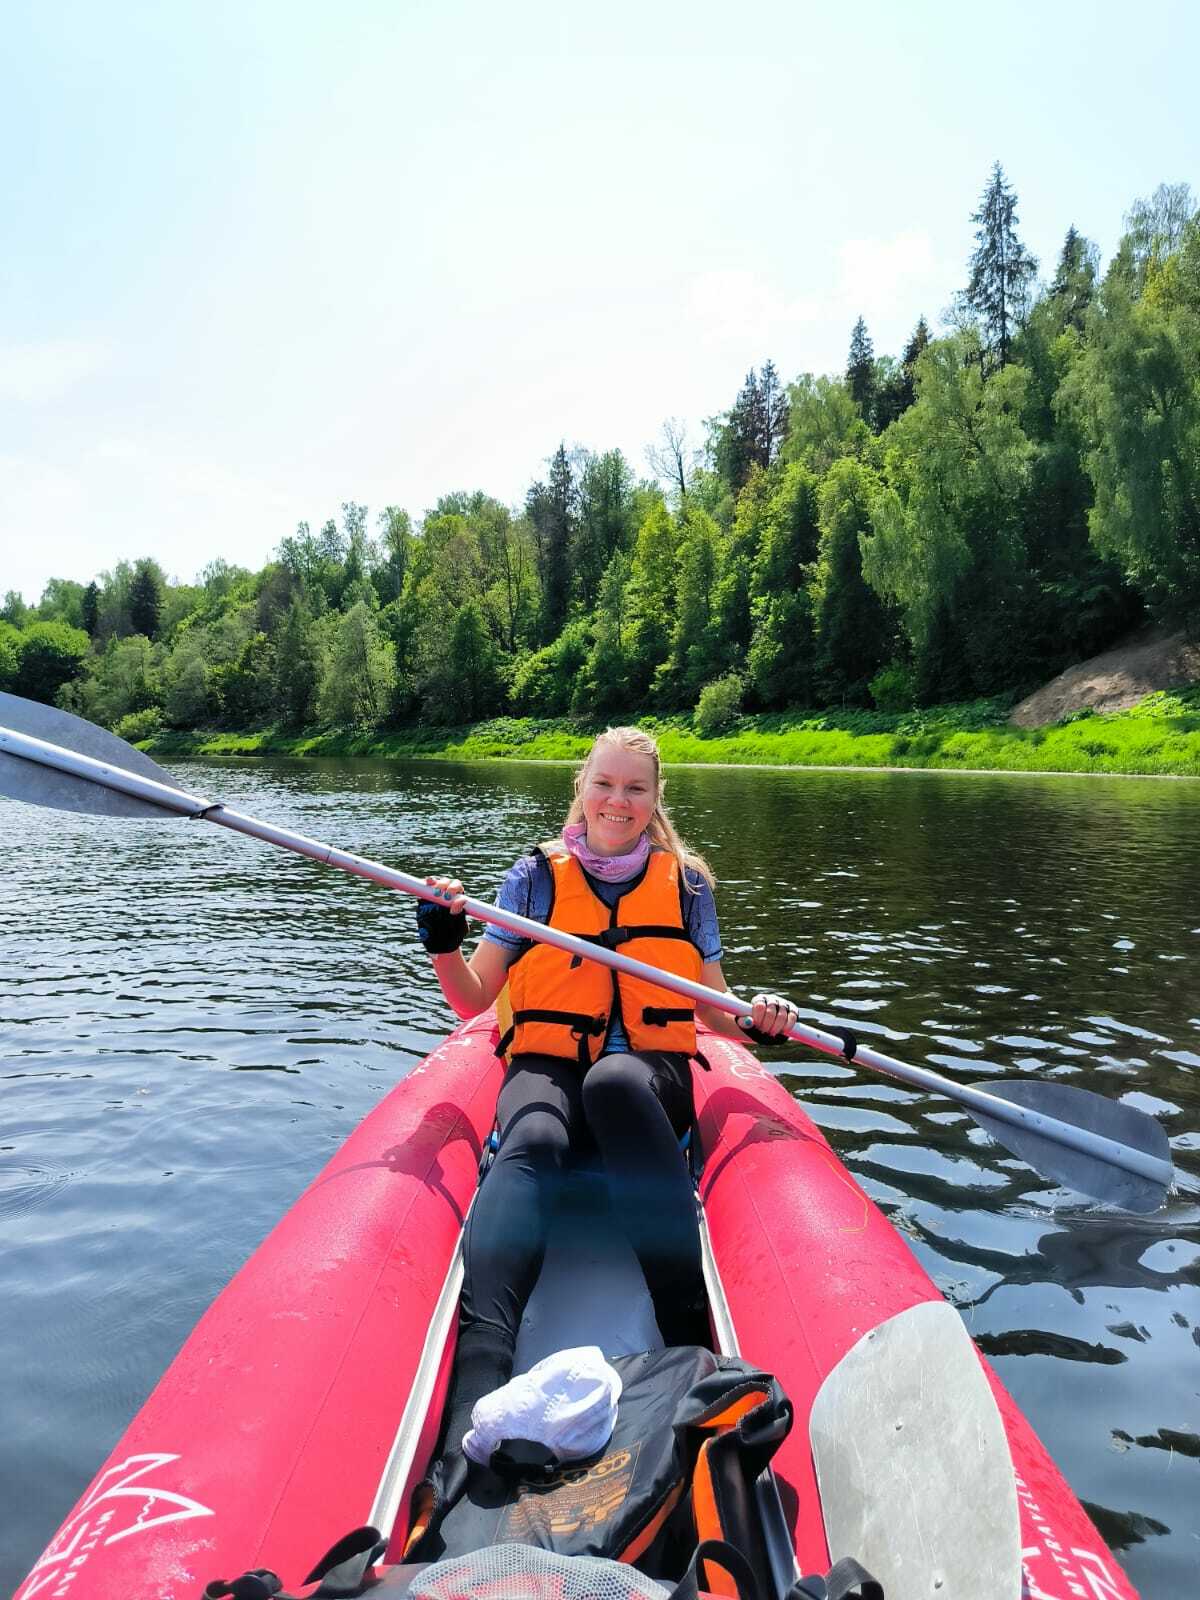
140,725
894,687
719,704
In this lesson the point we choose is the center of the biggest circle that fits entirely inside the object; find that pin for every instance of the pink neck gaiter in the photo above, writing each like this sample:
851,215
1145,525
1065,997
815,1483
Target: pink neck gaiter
609,869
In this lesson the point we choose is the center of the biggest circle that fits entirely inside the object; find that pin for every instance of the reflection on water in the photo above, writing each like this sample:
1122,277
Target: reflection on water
190,1023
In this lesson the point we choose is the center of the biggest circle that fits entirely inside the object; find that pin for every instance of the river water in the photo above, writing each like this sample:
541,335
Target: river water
190,1022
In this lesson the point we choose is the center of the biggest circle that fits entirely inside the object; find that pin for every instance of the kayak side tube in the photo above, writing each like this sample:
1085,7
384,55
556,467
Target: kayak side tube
809,1265
269,1435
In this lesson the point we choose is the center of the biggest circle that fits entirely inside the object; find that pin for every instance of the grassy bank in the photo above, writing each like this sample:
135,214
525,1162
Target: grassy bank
1159,736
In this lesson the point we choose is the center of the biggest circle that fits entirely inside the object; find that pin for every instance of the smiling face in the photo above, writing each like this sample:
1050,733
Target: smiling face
619,792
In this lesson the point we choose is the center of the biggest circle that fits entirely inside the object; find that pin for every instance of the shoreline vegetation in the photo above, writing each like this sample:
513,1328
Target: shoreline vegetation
864,569
1158,737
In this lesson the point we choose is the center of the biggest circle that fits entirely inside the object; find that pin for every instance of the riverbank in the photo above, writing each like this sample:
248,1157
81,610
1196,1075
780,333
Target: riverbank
1159,736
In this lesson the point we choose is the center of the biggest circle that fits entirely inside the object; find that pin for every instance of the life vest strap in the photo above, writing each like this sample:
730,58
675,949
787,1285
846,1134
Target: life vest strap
660,1016
582,1027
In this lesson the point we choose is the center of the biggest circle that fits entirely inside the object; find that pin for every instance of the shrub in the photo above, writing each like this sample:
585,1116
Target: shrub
719,704
894,687
139,725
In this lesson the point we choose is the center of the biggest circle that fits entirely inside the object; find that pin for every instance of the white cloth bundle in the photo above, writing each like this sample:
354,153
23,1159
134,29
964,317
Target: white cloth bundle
567,1402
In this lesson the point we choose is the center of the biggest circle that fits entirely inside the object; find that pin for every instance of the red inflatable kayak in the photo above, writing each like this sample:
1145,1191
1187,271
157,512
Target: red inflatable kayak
308,1398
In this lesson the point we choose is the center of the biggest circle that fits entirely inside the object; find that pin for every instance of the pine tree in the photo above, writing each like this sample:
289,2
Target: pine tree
145,599
860,370
912,353
893,398
550,507
1002,270
91,608
773,415
735,448
752,432
1074,285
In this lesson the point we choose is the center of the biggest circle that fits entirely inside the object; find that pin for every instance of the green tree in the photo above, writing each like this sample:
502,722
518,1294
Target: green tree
731,598
602,685
10,654
896,391
550,508
947,540
824,423
694,652
860,371
544,681
780,659
854,633
1155,228
602,524
113,619
297,669
396,543
62,601
49,655
650,597
1002,270
1136,394
1074,285
356,685
472,680
187,688
246,686
90,609
14,610
126,680
146,598
751,433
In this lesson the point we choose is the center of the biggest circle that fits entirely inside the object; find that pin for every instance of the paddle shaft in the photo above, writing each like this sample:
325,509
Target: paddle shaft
182,804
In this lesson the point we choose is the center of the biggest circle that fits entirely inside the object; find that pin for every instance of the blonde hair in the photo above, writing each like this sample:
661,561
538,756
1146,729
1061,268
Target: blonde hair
660,829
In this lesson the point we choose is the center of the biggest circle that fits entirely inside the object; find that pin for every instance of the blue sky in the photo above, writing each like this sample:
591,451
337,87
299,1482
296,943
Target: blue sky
263,258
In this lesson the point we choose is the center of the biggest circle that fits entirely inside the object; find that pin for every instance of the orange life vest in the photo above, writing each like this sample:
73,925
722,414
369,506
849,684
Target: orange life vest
560,1005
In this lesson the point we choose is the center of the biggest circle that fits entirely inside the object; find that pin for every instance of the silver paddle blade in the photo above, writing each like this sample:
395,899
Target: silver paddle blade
40,785
913,1463
1075,1168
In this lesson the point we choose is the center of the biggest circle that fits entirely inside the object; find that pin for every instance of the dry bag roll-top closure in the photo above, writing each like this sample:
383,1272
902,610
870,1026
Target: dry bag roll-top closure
560,1005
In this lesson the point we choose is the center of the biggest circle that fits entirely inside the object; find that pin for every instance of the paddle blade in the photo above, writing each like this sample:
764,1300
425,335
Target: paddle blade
913,1462
1093,1114
39,785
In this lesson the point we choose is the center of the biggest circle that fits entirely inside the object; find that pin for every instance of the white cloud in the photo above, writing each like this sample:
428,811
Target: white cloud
880,278
746,315
35,374
121,498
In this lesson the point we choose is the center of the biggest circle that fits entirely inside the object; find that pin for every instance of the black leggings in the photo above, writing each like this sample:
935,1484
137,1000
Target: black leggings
634,1109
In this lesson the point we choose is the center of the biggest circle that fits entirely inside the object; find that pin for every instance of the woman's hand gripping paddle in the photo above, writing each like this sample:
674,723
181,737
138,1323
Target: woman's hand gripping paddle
1099,1147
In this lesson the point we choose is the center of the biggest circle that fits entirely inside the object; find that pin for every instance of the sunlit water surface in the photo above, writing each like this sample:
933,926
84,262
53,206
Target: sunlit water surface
191,1022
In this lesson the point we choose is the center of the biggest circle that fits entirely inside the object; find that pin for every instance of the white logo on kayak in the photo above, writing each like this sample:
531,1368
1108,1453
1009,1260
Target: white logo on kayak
119,1504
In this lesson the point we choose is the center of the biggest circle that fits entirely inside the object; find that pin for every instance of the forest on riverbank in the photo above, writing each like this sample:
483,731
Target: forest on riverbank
952,525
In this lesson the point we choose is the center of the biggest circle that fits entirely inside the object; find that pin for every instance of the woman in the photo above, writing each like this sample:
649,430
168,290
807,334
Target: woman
594,1056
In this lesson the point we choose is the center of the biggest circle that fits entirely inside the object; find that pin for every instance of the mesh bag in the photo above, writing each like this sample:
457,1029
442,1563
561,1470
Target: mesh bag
521,1572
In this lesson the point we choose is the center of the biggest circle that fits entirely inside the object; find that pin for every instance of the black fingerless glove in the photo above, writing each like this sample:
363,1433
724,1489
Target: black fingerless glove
757,1036
439,929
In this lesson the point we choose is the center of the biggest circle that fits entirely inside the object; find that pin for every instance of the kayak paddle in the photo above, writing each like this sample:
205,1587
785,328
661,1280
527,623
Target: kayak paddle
1097,1146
